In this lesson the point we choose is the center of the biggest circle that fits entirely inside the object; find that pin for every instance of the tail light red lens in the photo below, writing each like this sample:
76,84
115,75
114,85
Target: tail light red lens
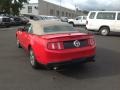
92,42
55,45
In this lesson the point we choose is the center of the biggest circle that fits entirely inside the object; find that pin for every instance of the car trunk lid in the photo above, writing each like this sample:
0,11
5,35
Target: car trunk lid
69,40
65,36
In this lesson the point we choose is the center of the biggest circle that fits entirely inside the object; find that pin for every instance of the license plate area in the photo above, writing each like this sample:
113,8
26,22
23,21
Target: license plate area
75,44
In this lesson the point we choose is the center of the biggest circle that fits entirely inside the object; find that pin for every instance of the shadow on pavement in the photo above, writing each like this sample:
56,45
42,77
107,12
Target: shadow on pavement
107,64
115,34
112,34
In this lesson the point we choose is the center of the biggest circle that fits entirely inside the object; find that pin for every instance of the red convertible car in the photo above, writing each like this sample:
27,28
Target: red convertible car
54,43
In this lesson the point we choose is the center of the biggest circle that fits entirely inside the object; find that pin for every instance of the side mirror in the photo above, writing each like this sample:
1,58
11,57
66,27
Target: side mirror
76,18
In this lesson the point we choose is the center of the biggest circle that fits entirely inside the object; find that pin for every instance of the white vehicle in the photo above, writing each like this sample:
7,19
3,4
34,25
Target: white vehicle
4,21
53,18
103,22
64,19
80,20
45,17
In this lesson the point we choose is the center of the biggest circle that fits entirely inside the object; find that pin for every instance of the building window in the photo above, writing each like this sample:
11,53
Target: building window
23,7
62,13
118,17
29,9
36,7
72,15
66,14
51,12
106,15
58,13
69,14
92,15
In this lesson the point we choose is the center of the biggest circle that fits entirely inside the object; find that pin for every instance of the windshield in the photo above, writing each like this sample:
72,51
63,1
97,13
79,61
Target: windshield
59,29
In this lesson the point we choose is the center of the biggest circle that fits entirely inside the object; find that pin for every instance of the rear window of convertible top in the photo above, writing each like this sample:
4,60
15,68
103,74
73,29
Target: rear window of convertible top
59,29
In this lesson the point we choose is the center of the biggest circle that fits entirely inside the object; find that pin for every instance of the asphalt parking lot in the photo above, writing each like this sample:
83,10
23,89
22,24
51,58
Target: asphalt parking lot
17,74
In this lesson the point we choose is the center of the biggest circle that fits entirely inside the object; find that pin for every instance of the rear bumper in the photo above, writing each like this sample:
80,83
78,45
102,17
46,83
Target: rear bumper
52,56
71,62
5,23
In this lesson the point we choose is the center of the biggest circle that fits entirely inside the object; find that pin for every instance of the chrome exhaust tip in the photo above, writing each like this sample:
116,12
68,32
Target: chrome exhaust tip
55,68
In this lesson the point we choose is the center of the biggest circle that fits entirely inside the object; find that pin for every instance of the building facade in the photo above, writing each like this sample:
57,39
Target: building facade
31,8
47,8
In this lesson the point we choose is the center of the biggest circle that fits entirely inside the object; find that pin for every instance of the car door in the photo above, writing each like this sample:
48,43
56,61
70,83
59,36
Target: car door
83,22
28,36
20,35
25,36
117,23
78,20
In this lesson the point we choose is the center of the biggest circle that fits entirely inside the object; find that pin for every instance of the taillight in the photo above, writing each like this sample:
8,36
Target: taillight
91,42
55,45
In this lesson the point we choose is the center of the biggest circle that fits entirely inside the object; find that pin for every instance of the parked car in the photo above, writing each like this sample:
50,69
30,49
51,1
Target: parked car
103,22
42,17
45,17
24,20
64,19
15,20
53,18
4,21
12,22
70,21
80,20
31,17
54,43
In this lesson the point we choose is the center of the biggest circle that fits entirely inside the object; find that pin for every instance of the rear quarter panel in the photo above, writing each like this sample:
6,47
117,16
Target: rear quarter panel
39,45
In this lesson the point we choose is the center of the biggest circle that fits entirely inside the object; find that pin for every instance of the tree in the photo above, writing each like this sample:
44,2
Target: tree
12,6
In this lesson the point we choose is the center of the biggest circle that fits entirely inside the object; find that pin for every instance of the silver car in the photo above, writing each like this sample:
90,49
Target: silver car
4,21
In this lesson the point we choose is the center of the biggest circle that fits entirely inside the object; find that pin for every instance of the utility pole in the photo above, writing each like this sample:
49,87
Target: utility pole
75,6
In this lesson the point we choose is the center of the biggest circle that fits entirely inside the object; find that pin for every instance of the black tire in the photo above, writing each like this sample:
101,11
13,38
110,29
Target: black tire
8,26
104,31
18,44
32,59
72,24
